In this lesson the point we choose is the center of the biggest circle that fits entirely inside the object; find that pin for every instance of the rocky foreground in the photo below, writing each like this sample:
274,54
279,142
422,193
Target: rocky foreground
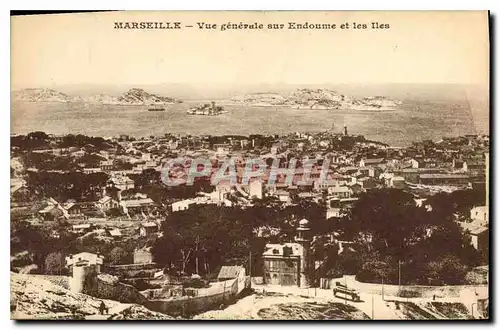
38,297
284,307
35,298
278,306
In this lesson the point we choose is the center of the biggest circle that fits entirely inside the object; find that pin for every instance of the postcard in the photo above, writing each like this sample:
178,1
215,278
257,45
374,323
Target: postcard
250,165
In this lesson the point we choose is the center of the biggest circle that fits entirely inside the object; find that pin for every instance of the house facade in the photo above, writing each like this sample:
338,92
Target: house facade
339,192
143,256
282,264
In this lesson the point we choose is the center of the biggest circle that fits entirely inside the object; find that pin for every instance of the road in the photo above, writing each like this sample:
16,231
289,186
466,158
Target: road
371,304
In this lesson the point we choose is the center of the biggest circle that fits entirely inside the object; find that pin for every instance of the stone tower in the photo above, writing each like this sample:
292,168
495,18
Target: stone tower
84,267
84,277
304,239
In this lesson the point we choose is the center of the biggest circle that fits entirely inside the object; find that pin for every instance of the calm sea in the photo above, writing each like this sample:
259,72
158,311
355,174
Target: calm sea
412,121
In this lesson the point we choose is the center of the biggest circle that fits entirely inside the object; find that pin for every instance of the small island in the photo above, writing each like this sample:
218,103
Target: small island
206,110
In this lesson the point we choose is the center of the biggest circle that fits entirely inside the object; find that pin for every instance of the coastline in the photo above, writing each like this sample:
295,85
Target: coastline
225,103
98,119
287,106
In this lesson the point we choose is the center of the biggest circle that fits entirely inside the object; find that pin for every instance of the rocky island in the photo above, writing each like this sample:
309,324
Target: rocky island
134,96
41,95
317,99
138,96
206,110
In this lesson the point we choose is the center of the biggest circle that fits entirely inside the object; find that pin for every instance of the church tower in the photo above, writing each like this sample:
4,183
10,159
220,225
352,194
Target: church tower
304,239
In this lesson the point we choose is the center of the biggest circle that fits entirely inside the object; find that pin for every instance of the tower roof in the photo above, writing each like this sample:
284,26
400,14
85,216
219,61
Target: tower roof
304,223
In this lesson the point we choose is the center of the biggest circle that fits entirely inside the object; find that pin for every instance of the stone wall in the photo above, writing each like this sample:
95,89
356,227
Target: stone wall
108,287
166,292
186,306
219,293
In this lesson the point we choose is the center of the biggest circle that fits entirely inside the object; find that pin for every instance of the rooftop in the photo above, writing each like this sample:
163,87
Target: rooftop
478,230
137,202
282,250
115,232
340,189
104,199
91,258
230,271
373,160
480,208
443,176
149,224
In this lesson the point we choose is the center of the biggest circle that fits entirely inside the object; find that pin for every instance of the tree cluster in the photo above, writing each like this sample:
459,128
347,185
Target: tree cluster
426,244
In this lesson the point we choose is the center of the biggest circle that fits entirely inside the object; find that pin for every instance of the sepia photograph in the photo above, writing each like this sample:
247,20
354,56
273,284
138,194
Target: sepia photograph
250,165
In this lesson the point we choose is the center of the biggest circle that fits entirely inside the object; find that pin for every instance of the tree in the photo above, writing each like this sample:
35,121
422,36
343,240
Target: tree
203,237
376,269
114,212
164,252
448,270
390,219
118,256
390,228
54,263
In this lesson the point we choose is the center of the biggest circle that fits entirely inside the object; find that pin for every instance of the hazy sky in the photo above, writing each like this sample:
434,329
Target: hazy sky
419,47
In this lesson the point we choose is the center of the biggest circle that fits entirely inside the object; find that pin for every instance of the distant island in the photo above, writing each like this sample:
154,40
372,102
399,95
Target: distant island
207,110
134,96
316,99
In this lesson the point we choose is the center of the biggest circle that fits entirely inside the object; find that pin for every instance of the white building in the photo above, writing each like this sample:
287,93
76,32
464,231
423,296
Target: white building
370,162
479,214
255,189
333,212
339,192
89,258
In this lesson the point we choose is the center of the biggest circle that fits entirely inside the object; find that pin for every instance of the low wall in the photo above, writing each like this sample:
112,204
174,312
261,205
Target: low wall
166,292
186,306
133,267
132,270
242,284
206,299
229,286
420,291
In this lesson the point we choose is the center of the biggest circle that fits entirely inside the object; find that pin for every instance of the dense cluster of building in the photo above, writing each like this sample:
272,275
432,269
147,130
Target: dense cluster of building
356,165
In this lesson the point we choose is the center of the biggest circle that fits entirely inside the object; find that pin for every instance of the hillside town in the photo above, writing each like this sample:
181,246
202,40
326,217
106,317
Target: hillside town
357,224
